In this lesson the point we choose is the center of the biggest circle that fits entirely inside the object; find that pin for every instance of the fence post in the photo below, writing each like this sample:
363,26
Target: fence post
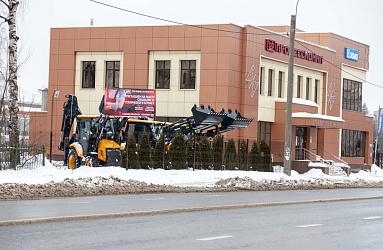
12,157
163,150
238,160
223,152
127,152
16,158
194,151
247,154
43,153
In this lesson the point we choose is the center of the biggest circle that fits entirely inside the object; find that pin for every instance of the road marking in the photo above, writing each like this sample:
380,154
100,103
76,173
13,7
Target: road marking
154,199
372,218
137,223
310,225
216,237
81,202
214,195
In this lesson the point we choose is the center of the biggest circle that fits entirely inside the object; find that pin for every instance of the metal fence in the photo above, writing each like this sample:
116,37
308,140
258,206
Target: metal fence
26,157
201,153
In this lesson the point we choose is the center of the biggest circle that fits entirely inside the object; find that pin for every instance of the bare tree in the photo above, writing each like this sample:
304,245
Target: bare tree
9,17
3,78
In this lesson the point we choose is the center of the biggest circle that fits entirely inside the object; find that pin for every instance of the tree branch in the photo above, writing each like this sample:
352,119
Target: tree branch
5,19
5,3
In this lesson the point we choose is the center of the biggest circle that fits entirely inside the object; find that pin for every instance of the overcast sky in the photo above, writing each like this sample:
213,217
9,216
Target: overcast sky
360,20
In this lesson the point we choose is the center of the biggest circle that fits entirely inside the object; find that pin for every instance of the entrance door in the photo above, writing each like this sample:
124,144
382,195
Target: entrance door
300,143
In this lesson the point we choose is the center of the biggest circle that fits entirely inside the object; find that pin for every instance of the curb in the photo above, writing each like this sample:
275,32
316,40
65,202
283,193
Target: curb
173,211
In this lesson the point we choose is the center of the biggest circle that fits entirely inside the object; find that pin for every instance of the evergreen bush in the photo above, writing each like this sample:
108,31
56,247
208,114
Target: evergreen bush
254,158
243,155
230,155
177,152
158,154
133,161
144,151
265,156
216,151
190,151
204,153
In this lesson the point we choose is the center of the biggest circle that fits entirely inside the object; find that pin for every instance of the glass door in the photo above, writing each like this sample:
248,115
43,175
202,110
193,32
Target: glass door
300,143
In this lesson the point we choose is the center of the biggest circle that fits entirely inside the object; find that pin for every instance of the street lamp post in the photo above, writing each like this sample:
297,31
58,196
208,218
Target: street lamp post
55,94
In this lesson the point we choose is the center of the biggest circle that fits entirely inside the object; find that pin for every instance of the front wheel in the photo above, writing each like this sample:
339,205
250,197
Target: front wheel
74,161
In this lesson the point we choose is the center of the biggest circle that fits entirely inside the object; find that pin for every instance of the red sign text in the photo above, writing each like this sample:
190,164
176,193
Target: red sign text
273,46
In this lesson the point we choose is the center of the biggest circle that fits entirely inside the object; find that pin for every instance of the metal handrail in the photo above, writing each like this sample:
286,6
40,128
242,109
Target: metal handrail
336,157
307,153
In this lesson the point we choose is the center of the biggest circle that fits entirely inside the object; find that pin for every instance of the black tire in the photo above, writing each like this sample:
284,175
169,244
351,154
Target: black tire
95,162
74,161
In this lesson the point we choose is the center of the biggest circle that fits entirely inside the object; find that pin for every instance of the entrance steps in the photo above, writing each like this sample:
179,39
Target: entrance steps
333,167
330,167
339,169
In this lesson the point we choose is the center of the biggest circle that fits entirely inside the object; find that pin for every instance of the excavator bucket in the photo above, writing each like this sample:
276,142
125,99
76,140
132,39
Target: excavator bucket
202,119
206,116
207,122
234,120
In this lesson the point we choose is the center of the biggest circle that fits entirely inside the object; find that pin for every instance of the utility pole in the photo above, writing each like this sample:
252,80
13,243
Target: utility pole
378,130
290,87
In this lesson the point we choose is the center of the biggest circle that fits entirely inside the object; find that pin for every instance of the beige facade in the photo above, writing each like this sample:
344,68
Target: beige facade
174,102
89,98
273,69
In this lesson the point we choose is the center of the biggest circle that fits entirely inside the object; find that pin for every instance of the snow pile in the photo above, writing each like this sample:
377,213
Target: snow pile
315,173
314,178
288,183
50,181
241,183
95,181
278,169
376,171
86,176
318,164
198,178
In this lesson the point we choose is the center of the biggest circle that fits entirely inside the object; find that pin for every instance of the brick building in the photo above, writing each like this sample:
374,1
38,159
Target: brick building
225,66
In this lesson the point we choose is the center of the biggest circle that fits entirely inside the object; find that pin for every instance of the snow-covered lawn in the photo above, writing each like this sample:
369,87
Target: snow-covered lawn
182,178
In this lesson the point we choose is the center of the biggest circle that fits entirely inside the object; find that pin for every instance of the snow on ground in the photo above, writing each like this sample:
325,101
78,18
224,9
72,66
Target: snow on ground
182,178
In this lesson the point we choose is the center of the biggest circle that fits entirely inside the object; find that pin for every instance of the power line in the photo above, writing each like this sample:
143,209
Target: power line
181,23
227,31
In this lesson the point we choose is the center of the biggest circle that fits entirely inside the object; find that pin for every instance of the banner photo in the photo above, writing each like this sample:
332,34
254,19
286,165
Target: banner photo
139,103
380,121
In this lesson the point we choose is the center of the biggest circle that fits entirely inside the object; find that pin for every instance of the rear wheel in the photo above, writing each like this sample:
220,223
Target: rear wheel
94,161
73,160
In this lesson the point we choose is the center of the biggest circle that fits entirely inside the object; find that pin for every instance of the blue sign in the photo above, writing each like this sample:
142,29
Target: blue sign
380,121
351,54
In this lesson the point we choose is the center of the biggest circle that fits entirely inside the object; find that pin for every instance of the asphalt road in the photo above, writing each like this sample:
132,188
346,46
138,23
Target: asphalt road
34,209
333,225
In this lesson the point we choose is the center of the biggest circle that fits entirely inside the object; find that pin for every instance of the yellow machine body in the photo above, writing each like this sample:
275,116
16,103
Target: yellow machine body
105,144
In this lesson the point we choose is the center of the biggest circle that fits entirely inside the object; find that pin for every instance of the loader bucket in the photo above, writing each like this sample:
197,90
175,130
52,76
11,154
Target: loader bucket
234,120
207,122
241,122
206,116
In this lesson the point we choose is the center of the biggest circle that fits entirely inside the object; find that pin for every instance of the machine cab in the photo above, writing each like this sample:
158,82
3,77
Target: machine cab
83,132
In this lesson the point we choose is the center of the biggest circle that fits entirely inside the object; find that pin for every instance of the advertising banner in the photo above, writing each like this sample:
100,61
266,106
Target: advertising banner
380,121
139,103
